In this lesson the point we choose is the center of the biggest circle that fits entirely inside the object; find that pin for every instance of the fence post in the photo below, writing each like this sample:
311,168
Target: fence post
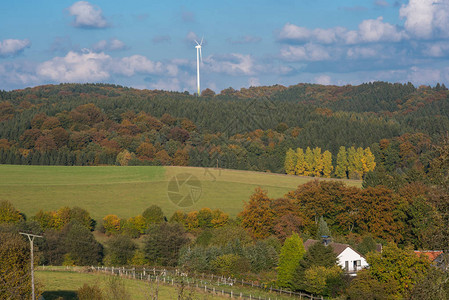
143,271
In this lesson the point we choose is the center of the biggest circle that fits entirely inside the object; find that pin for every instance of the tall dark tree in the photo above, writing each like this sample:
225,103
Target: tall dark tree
164,242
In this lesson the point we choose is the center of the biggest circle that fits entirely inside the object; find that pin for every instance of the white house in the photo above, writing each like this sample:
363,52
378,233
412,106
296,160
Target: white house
350,260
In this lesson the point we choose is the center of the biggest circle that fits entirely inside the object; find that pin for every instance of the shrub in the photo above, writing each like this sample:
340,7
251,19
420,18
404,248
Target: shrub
89,292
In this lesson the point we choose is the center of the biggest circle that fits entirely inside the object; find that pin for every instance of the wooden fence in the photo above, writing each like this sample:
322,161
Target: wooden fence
219,285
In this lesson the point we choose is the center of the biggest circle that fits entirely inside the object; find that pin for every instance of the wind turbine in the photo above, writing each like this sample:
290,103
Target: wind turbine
198,57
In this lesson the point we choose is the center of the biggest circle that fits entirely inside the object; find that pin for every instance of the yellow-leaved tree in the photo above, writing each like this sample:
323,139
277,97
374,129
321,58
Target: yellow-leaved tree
290,162
327,164
300,167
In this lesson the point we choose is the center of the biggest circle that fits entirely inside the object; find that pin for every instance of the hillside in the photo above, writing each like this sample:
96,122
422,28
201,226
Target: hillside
128,191
249,129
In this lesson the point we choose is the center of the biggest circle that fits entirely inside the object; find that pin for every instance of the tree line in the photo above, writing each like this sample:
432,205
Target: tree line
351,163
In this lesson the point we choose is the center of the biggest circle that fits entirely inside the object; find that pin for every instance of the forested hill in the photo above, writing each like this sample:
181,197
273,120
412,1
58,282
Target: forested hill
92,124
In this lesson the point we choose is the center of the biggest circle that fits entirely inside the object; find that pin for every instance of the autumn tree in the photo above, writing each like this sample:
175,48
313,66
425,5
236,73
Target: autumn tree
111,224
300,167
318,164
309,162
135,226
368,161
153,214
8,213
401,269
341,168
327,164
146,151
290,162
15,277
257,215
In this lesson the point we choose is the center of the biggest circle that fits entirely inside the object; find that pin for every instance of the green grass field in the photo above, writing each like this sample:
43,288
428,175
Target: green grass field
57,282
64,284
127,191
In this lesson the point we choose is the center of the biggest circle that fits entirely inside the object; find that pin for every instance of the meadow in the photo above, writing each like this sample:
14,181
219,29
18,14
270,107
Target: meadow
55,284
128,191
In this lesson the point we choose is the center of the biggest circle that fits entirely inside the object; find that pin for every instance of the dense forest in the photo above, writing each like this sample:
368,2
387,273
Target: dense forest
101,124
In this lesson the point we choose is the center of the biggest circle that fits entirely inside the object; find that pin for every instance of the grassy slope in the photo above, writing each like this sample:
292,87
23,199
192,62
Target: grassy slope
64,284
127,191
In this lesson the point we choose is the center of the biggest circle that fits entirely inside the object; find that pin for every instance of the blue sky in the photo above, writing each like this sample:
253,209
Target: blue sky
150,44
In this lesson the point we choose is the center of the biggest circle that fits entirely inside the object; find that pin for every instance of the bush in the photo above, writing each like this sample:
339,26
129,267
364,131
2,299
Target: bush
89,292
230,265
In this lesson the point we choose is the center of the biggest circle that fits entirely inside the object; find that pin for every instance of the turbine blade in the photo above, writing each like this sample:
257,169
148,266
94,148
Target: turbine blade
201,40
196,42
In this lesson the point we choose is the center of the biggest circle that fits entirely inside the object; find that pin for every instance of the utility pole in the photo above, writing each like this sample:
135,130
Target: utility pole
31,239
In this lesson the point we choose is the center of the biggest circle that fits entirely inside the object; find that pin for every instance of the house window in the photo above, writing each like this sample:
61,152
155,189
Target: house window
347,265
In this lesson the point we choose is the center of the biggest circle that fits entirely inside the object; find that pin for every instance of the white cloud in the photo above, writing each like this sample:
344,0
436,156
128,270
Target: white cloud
93,66
247,39
131,65
87,16
438,49
76,67
423,18
361,52
323,79
424,76
12,46
294,33
232,64
381,3
111,45
308,52
373,30
171,84
376,30
17,74
191,37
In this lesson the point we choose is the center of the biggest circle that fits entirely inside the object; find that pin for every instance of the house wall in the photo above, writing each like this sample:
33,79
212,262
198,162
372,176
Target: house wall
350,256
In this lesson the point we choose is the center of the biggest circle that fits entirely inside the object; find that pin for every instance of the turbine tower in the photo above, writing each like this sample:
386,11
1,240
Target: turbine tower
198,57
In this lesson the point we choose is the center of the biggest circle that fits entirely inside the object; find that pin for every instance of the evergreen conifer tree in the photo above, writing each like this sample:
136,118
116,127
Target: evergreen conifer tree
291,253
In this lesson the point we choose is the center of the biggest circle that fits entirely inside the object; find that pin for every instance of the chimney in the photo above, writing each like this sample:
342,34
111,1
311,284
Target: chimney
326,240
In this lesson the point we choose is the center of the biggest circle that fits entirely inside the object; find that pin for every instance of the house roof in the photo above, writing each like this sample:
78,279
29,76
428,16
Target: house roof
430,254
338,248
